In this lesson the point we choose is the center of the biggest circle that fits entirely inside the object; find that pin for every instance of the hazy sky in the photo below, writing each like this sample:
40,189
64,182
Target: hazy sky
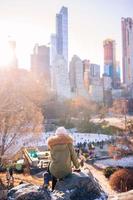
90,22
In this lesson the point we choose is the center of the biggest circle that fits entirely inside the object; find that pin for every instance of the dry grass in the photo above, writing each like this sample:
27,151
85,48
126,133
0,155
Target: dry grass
22,177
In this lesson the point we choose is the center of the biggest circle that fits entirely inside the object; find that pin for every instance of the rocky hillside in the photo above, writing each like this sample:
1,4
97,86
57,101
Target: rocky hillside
78,186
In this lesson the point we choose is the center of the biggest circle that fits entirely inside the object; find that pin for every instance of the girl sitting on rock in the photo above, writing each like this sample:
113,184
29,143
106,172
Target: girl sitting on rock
62,155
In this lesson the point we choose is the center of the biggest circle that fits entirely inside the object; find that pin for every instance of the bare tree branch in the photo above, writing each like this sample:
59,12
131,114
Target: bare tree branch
21,97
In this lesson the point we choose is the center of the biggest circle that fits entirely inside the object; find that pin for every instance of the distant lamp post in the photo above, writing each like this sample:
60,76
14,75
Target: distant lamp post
125,113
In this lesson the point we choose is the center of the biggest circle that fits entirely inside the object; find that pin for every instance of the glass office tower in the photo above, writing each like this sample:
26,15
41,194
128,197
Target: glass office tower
62,33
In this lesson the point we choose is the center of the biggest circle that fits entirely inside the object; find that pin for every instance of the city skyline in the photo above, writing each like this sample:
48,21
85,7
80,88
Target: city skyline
89,24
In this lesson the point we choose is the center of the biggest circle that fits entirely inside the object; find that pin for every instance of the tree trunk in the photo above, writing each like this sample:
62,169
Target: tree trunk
0,160
1,153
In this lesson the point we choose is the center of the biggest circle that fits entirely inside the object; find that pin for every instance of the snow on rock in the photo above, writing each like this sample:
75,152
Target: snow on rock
77,186
28,191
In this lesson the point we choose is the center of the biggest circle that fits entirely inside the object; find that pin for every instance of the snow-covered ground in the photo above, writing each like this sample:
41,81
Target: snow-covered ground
82,137
118,121
41,140
123,162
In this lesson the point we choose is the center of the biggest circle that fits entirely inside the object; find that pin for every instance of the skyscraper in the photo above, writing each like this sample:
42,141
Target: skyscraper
13,60
53,51
40,61
95,71
60,80
109,59
127,50
62,33
118,74
76,77
86,73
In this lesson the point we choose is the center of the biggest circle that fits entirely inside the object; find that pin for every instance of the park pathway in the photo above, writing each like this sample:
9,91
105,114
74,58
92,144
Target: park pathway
101,179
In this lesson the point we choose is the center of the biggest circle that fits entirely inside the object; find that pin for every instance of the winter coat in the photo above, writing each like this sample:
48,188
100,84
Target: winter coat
62,154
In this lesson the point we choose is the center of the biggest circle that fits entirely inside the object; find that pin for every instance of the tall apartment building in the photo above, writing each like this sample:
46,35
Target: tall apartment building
118,74
96,93
53,51
60,82
86,73
127,50
91,73
60,79
13,60
94,73
40,61
62,33
95,88
76,77
110,59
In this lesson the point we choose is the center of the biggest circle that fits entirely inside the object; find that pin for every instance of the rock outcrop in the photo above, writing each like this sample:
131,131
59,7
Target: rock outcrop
3,191
3,194
28,192
77,186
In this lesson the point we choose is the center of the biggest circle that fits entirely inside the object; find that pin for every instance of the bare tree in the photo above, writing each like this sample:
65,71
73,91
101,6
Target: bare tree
21,97
102,112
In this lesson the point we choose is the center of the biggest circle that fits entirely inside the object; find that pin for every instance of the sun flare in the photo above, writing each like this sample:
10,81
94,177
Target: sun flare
6,53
